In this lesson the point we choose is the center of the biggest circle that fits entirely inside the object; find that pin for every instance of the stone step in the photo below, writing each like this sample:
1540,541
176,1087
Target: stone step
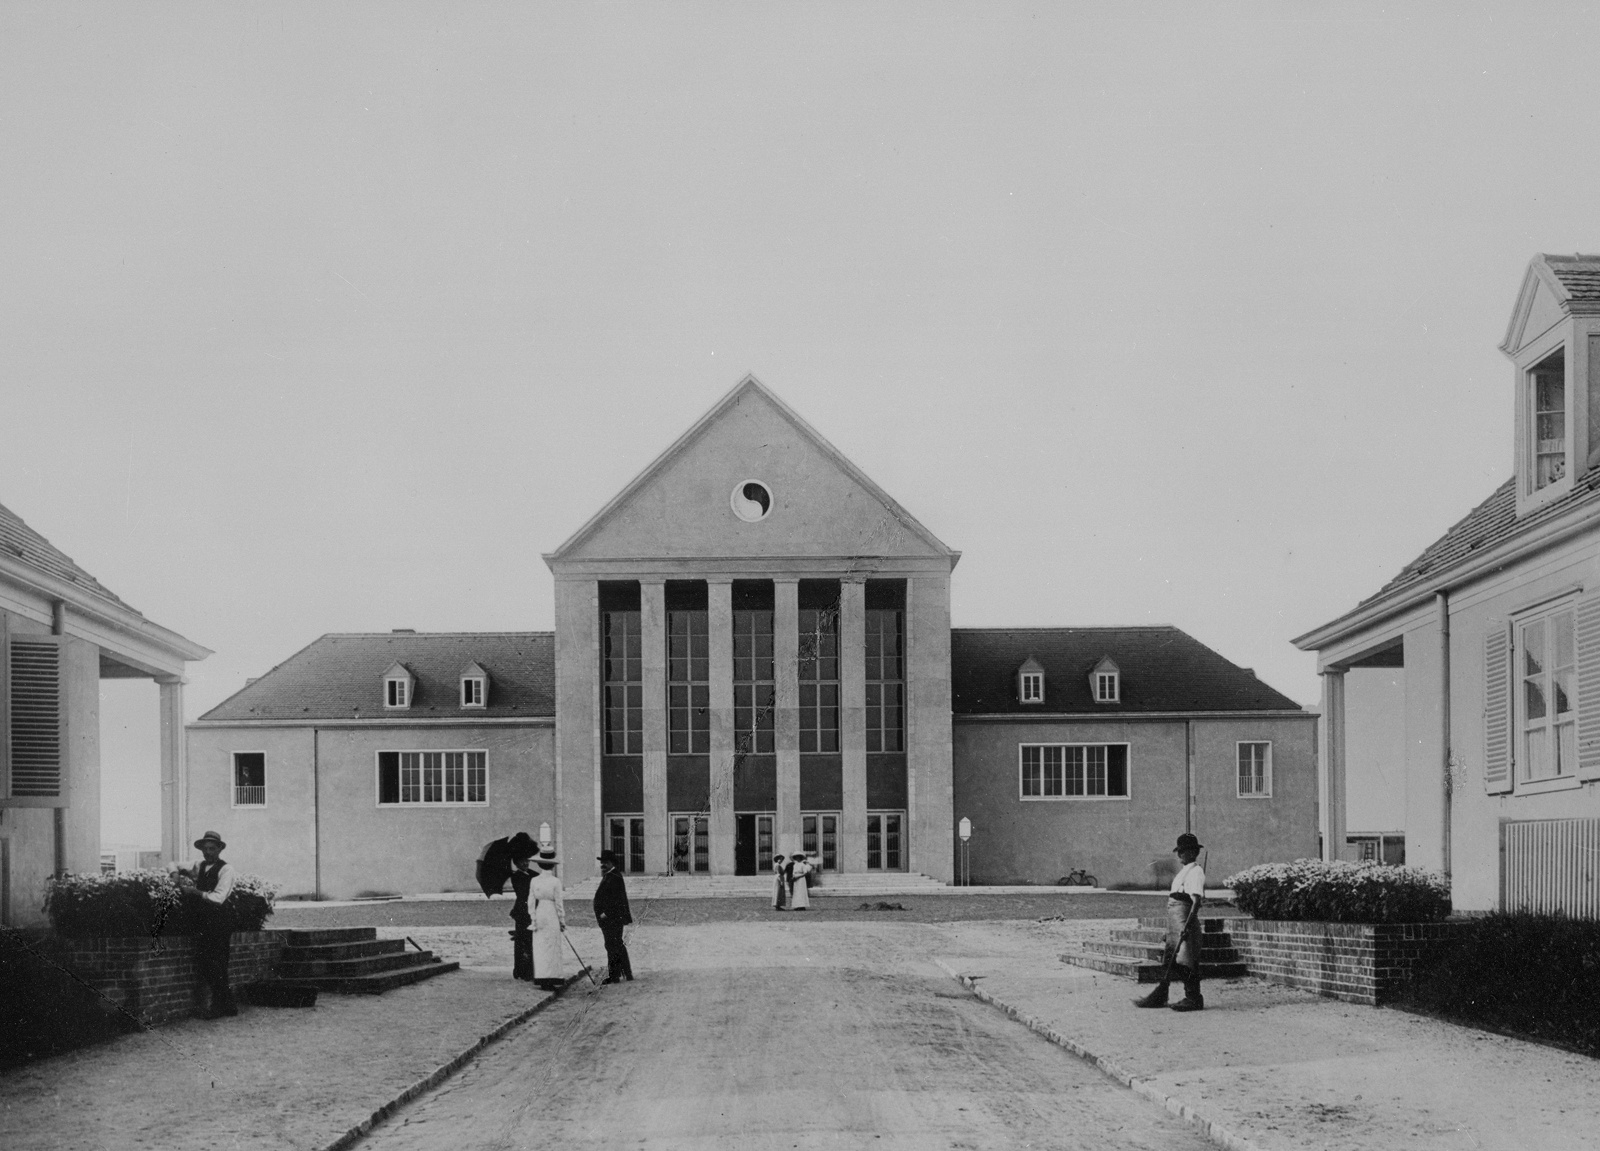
1143,972
331,935
326,951
378,982
307,968
1208,923
1155,953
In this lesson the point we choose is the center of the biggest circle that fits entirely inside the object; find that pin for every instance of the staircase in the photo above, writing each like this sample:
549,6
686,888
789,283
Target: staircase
353,961
1138,953
853,884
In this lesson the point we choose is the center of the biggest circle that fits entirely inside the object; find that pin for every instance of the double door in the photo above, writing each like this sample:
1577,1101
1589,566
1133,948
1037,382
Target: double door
752,845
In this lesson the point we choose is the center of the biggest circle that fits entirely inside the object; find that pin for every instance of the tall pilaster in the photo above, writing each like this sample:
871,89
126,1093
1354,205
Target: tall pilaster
786,676
653,672
1331,767
853,722
174,773
719,633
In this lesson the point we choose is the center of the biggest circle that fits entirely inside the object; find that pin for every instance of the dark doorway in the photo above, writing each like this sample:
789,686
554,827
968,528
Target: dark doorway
744,845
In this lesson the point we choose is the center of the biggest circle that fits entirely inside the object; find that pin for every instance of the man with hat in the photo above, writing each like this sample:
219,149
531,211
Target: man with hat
207,894
611,912
1184,900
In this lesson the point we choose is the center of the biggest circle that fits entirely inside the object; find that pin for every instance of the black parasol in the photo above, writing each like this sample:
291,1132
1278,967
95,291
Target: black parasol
495,862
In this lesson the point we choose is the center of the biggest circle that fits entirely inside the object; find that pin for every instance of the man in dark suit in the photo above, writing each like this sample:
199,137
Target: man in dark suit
611,911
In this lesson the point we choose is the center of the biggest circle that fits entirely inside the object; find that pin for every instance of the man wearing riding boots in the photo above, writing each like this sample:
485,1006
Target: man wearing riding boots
1183,931
611,912
207,893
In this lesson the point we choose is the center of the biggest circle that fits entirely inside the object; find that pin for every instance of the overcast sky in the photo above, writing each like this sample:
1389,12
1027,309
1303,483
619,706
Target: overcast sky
333,318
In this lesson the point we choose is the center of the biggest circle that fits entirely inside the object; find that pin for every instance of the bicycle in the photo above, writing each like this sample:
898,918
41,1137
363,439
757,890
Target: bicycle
1077,878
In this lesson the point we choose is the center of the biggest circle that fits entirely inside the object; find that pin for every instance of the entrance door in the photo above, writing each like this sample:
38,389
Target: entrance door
691,843
819,838
752,850
625,836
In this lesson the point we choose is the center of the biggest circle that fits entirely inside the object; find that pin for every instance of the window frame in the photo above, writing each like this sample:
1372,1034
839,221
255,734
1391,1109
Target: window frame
688,695
1035,680
820,718
632,821
885,720
1543,613
401,803
882,818
1101,678
699,829
1266,769
404,694
480,688
1064,796
630,713
755,697
234,786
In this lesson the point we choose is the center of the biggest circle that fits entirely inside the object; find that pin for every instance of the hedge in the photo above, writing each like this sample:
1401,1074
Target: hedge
144,903
1340,892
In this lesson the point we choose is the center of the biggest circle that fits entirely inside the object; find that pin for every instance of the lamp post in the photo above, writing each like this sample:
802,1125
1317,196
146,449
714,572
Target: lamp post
964,830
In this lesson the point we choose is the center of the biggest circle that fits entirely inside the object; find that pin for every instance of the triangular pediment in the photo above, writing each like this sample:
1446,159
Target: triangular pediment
1543,302
751,479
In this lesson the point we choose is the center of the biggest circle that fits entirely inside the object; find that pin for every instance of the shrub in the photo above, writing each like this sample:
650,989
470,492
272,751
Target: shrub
144,903
1531,975
1340,892
43,1009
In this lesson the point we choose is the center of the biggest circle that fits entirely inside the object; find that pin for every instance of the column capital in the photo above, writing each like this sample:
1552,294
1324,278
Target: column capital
171,680
652,579
718,579
854,577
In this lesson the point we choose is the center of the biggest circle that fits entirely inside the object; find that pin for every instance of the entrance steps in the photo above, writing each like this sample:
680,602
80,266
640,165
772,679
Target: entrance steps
353,961
857,884
1138,953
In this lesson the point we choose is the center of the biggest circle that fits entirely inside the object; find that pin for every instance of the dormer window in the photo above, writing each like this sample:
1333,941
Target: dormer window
1547,390
474,687
1030,682
1105,682
399,688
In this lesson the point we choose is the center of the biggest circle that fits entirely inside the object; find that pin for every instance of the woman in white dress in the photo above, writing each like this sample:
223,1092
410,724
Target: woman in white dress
549,921
799,895
779,885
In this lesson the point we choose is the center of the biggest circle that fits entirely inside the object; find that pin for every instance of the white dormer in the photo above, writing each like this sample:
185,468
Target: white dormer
1030,682
399,688
474,687
1554,341
1105,682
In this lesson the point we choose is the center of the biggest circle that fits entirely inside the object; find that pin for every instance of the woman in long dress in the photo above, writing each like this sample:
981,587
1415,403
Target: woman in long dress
778,884
549,921
799,896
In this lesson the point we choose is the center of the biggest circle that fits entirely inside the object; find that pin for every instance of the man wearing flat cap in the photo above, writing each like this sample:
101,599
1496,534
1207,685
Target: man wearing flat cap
611,912
207,894
1183,930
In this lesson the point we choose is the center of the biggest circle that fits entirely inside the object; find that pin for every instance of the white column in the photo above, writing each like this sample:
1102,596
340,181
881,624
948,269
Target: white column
174,773
653,672
853,723
1331,766
719,633
786,728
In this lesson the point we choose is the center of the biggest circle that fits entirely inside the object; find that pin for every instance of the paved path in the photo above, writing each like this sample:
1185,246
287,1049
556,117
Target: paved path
799,1034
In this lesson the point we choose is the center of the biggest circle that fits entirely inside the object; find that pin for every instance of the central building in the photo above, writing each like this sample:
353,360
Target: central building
752,655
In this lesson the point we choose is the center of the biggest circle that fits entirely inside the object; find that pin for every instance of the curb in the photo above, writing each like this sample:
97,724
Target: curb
1212,1129
439,1074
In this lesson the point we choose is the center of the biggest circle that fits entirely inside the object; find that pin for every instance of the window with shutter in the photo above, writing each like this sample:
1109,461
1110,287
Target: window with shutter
35,763
1589,687
1496,710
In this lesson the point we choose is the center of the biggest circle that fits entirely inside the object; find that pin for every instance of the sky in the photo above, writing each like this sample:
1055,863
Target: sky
334,318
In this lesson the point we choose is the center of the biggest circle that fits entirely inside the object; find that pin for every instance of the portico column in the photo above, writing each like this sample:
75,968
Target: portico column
174,773
653,687
853,722
719,633
786,729
1332,768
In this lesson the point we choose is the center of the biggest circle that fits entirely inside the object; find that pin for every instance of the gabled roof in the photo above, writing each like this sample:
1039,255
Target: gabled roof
340,677
1162,670
1578,274
17,538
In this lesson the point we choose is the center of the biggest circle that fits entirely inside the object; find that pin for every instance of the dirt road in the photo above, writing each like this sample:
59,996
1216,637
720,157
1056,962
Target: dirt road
792,1034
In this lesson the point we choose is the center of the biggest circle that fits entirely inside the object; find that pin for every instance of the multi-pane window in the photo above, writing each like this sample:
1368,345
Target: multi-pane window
472,691
691,843
688,683
819,838
1549,395
396,692
763,844
626,838
819,679
623,683
885,681
1032,687
1105,687
249,778
438,778
1255,770
884,829
754,690
1546,654
1074,771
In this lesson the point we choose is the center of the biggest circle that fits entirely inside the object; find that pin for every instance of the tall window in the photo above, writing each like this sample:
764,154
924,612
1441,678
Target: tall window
623,681
249,778
1549,728
688,683
819,838
883,840
691,843
626,835
1255,770
1074,771
396,692
1549,395
819,676
754,691
433,778
885,680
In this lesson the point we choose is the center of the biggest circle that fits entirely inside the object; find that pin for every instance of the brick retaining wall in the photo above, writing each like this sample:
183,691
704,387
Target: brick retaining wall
1356,962
157,980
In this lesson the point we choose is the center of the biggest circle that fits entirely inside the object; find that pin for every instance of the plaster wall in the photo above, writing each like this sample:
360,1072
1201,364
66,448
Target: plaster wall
576,740
930,737
1375,748
276,841
1424,744
1241,832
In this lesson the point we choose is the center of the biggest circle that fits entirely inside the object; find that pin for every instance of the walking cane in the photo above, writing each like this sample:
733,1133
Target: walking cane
578,957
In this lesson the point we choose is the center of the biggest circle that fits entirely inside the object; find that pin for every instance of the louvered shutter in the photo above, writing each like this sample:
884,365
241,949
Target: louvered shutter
36,775
1588,625
1497,710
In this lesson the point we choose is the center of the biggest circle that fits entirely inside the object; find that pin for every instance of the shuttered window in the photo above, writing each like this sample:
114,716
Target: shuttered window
1589,687
1496,709
34,742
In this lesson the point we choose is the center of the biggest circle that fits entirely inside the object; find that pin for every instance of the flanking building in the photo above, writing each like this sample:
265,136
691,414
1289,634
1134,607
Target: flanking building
752,654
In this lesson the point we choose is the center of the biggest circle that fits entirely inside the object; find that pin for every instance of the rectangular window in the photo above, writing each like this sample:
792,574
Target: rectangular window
623,683
1255,770
885,680
394,692
37,710
819,838
884,830
691,843
763,844
626,838
1032,687
249,779
819,678
433,778
1105,687
754,687
688,683
472,692
1074,771
1549,394
1546,657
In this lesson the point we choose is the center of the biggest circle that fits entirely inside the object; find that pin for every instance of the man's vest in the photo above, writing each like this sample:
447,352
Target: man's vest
207,874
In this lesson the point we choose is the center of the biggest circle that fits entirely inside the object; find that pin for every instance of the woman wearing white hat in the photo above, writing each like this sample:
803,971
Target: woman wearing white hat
549,921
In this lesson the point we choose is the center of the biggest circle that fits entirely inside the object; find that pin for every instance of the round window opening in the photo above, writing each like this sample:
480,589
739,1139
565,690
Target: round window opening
751,501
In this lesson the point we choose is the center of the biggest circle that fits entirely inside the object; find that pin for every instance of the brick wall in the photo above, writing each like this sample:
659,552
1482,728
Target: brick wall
157,980
1356,962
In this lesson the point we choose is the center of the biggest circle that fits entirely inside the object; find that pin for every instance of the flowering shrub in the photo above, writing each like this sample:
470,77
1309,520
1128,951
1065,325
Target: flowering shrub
1340,892
144,903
